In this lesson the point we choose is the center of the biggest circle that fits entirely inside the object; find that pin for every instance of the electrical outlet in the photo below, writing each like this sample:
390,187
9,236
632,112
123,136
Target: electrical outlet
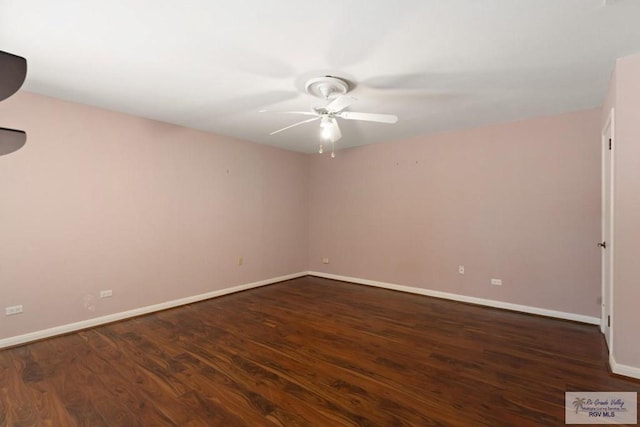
240,260
14,309
106,294
325,260
497,282
461,269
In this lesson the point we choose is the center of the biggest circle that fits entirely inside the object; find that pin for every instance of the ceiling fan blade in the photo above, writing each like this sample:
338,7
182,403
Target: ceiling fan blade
295,124
339,104
369,117
13,69
11,140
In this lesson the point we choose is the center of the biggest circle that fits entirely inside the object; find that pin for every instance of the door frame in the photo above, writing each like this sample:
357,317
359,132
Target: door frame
607,294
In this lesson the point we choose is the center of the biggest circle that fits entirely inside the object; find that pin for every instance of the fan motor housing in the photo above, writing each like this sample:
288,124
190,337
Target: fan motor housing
326,87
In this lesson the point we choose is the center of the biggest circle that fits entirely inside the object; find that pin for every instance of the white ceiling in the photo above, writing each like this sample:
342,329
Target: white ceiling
212,65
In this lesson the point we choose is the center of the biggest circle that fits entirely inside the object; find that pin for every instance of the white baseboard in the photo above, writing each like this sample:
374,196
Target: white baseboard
616,368
72,327
463,298
626,370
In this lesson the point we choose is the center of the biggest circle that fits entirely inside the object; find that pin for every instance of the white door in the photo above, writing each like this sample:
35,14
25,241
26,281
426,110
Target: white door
606,244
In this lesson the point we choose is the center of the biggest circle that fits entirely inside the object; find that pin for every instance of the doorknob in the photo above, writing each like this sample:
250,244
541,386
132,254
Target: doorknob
602,245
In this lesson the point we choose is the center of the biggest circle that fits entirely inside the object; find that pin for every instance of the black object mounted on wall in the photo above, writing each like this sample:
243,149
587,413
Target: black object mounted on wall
13,71
11,140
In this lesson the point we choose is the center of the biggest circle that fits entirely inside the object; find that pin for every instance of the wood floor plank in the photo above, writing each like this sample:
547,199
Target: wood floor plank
309,352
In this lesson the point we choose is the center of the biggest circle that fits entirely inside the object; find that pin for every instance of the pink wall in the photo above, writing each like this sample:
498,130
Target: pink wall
518,201
626,343
102,200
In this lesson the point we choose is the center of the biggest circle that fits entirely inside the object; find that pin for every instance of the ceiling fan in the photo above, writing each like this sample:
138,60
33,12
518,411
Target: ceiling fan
13,70
333,89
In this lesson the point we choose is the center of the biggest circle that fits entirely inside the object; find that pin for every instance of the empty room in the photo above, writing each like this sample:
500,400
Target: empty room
336,213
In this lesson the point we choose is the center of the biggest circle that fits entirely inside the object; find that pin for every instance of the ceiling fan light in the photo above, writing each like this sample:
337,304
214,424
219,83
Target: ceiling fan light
326,133
326,128
335,130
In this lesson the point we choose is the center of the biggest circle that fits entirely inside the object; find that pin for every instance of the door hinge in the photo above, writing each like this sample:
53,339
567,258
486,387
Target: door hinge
609,143
609,321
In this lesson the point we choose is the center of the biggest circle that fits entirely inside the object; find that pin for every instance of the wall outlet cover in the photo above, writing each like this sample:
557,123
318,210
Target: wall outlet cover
106,294
14,309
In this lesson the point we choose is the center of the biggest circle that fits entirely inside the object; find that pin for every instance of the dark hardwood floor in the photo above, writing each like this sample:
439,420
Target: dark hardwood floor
308,352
